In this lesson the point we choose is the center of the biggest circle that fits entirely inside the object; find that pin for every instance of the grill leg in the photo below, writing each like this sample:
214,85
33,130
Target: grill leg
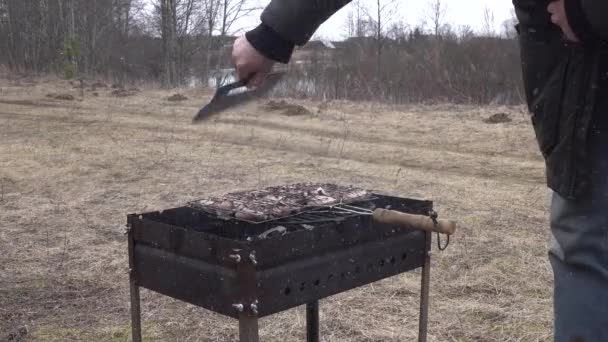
424,292
135,311
248,328
133,288
312,321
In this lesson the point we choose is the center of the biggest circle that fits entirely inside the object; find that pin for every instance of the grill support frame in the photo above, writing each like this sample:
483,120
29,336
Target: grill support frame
246,278
312,321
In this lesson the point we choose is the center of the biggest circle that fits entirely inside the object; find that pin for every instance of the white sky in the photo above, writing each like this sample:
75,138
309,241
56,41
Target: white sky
459,12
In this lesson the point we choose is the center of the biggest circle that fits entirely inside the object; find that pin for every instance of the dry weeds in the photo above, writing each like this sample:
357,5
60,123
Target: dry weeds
71,171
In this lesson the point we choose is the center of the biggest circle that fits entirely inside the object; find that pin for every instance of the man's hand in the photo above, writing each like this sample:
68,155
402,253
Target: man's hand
559,18
250,64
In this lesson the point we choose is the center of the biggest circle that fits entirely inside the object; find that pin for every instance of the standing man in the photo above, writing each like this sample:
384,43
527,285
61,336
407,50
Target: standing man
565,65
565,71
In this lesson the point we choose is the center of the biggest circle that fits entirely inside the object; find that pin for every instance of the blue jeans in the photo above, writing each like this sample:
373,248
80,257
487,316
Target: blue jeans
579,257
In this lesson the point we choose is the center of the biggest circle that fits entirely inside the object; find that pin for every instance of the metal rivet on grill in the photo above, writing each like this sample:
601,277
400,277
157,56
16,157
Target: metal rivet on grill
252,258
254,307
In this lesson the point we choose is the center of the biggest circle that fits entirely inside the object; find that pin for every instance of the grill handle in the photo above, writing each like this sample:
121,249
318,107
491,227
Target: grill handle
418,222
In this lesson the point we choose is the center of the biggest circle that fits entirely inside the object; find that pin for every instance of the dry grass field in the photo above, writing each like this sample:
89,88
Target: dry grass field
70,172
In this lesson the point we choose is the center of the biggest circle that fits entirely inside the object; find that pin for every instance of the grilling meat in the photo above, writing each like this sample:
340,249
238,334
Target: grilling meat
276,202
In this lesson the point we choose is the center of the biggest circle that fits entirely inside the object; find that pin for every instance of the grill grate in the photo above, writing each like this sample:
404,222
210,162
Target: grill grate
311,217
278,202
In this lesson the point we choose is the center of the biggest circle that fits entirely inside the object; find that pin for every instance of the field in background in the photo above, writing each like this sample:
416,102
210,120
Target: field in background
70,171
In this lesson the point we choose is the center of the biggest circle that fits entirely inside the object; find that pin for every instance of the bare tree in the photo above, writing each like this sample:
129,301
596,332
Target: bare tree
508,27
380,15
357,21
488,24
399,31
233,11
436,15
168,9
349,25
465,32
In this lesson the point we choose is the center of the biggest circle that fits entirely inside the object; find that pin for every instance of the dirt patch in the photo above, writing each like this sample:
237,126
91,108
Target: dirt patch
16,335
122,93
99,84
29,103
285,108
498,118
177,97
7,185
64,97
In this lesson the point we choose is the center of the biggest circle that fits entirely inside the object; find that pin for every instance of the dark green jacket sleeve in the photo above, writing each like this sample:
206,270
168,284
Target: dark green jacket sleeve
588,19
297,20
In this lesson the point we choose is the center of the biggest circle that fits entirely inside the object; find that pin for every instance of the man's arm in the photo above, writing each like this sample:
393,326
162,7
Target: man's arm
285,24
588,19
297,20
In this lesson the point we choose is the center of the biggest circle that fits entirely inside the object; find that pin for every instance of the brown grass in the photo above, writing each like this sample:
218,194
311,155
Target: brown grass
71,171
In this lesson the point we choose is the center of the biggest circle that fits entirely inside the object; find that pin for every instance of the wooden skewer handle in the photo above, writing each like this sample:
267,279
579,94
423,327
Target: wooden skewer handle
419,222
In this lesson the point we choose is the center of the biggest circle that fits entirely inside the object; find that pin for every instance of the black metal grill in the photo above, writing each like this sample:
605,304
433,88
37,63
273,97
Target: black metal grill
238,269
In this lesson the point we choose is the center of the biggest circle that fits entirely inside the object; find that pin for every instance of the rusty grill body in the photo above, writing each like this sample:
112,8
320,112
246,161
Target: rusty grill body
235,268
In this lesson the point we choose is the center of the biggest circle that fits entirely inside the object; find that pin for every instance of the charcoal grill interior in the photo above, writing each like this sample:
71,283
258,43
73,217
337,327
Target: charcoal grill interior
193,218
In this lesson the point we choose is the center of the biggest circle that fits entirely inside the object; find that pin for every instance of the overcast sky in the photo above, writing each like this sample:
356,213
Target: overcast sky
459,12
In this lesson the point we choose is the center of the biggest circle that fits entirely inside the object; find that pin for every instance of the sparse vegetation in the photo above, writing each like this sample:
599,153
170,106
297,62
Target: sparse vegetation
83,165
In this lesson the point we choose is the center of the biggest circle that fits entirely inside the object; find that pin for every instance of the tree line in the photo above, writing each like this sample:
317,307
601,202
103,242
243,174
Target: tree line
137,39
381,57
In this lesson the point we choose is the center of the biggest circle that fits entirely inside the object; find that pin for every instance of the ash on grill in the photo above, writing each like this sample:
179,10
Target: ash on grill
278,202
